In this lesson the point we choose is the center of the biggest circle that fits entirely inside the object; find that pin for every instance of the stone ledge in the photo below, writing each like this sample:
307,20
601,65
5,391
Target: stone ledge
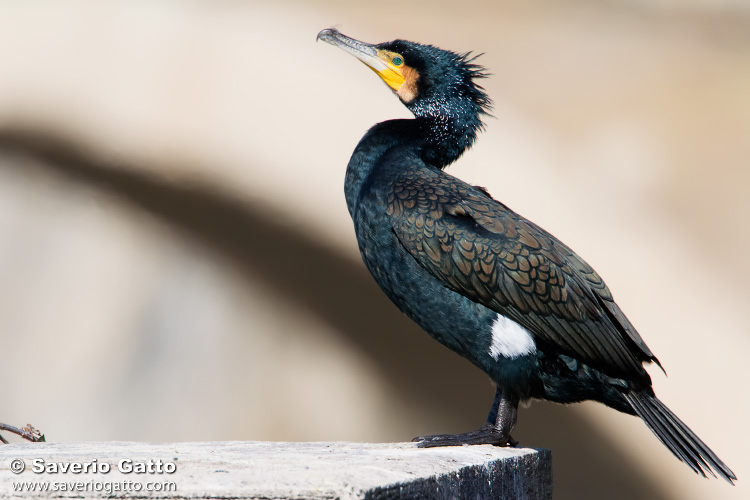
271,470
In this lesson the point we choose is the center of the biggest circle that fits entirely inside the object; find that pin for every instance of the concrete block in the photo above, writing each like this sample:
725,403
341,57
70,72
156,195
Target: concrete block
271,470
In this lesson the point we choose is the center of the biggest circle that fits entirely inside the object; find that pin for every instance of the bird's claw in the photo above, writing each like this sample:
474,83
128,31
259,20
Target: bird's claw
488,434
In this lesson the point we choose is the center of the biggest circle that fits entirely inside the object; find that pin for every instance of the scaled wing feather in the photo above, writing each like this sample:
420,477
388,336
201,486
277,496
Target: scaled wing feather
488,253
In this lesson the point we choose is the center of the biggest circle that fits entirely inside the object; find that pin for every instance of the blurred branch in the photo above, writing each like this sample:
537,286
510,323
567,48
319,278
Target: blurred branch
29,433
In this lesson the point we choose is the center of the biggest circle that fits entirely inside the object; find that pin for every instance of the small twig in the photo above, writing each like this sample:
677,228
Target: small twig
28,432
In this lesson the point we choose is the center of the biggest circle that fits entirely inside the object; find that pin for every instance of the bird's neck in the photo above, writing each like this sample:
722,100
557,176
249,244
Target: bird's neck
439,141
371,148
447,136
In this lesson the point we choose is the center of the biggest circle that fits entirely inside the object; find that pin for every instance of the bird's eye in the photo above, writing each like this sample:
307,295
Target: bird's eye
397,61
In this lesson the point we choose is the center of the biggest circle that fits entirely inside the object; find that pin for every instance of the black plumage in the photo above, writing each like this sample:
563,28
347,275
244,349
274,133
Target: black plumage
479,278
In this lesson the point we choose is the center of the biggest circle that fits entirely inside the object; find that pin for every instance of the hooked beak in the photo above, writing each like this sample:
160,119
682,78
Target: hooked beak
376,59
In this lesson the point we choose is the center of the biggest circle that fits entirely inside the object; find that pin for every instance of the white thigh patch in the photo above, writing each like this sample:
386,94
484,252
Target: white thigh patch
509,339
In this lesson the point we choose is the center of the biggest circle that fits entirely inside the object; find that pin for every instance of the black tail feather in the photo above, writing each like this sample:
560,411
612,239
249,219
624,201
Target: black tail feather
677,436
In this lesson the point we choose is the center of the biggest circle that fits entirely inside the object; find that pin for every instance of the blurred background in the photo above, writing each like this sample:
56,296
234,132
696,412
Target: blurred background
177,262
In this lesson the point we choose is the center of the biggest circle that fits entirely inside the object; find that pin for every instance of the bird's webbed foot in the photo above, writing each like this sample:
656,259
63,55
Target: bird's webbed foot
496,431
487,434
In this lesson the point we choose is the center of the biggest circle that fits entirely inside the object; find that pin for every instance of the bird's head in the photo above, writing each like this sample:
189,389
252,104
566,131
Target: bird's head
430,81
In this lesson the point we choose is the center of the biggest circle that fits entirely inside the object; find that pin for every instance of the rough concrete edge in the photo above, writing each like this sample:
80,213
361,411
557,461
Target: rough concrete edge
526,477
478,482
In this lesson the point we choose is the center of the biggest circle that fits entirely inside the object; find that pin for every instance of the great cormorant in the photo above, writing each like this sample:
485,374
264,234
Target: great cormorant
479,278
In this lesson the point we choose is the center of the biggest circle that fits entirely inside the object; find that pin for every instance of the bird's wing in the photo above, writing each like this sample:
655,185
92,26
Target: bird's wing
488,253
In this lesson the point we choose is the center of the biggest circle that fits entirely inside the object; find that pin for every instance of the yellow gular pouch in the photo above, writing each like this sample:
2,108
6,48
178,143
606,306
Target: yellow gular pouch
390,69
